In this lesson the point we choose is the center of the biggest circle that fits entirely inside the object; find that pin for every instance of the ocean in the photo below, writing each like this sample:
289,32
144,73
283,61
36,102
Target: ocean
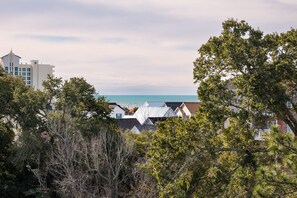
131,101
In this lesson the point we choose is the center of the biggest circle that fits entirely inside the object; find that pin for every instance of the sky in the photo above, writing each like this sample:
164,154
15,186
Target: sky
129,46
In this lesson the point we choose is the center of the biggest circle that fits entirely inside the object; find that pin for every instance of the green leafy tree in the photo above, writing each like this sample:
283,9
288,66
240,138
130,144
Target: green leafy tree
250,71
19,114
251,77
7,170
278,178
171,158
20,104
77,98
192,158
245,78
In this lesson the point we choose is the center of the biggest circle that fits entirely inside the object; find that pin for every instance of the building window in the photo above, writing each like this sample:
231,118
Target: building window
23,73
23,69
6,69
118,116
28,78
28,69
28,73
16,73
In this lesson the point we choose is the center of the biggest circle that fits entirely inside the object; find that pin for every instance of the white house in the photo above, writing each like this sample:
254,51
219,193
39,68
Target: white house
117,111
33,74
187,109
144,112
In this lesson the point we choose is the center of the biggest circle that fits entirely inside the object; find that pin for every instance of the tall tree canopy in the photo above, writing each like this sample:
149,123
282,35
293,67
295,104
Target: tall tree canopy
244,78
77,98
250,71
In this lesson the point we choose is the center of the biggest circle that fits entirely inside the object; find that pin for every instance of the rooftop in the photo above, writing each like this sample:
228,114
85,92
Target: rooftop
192,106
128,123
173,105
11,53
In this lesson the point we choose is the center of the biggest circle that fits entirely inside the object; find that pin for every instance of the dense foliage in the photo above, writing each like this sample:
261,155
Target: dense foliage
245,78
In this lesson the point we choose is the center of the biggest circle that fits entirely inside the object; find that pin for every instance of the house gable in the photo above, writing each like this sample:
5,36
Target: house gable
143,113
190,108
116,111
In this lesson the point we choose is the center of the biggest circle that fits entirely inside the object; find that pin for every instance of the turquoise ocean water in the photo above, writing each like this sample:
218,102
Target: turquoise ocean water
131,101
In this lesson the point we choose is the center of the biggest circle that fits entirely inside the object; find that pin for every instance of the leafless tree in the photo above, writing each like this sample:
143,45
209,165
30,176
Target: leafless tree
86,166
110,151
144,184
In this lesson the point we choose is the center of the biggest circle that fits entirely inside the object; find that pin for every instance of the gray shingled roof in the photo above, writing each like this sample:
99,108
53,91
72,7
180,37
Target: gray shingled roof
127,123
173,105
192,106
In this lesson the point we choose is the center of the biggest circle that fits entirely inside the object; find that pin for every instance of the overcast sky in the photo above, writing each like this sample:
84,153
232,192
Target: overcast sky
129,46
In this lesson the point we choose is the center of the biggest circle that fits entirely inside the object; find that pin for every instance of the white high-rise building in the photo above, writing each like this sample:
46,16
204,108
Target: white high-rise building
33,74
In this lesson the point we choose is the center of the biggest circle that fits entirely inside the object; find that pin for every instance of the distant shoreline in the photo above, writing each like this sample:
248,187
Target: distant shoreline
131,101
